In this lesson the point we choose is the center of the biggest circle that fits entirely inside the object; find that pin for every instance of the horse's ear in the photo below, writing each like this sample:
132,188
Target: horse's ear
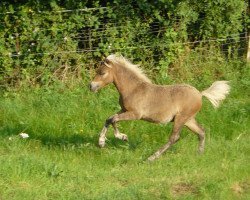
107,63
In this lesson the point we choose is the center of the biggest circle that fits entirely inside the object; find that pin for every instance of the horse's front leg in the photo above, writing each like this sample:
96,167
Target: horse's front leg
118,134
121,117
102,137
113,120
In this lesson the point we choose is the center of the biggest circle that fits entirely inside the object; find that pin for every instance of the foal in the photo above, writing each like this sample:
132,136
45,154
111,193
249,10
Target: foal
142,100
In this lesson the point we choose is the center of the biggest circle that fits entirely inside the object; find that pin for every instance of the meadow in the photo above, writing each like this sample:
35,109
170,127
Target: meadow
48,53
61,158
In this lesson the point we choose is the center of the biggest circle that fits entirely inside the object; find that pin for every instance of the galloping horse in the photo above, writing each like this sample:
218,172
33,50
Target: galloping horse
142,100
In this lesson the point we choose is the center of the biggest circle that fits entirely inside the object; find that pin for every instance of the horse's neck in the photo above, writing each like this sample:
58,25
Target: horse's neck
125,81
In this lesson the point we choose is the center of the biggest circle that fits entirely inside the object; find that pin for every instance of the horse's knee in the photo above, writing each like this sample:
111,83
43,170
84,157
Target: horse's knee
108,122
111,120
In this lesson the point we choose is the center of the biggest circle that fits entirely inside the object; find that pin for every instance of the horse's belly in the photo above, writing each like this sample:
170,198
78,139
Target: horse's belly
158,118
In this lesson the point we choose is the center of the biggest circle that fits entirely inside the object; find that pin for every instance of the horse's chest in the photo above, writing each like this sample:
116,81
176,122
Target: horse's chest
129,103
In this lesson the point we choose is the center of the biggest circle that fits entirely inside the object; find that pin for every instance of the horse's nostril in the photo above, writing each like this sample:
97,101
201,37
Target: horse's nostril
93,86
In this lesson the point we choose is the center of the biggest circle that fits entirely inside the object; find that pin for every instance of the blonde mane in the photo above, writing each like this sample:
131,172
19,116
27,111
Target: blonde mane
127,64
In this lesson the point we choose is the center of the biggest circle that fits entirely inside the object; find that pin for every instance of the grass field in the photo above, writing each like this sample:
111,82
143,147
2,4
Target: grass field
61,159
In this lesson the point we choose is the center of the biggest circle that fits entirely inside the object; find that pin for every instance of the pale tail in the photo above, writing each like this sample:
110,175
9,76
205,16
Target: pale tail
217,92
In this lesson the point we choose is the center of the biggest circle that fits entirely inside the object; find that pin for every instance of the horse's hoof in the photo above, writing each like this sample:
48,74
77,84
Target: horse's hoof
125,138
101,143
151,158
200,151
154,156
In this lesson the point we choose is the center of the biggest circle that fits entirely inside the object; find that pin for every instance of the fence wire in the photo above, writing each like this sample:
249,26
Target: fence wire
102,34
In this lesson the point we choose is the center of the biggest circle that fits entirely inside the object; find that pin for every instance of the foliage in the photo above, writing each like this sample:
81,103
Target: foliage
55,41
45,41
61,159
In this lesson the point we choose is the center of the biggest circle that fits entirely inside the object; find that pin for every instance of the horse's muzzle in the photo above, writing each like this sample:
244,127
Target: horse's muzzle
94,86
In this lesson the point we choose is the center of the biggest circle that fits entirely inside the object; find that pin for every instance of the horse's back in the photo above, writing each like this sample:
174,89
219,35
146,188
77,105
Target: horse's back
176,93
164,102
186,98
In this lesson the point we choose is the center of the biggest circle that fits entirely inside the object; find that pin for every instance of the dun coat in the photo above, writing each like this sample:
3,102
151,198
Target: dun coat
142,100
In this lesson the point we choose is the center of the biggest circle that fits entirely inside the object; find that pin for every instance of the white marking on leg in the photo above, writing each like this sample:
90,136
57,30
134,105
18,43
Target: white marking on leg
202,144
158,153
121,136
102,137
117,133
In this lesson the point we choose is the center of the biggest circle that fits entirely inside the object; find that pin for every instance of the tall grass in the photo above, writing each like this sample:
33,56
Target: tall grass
61,159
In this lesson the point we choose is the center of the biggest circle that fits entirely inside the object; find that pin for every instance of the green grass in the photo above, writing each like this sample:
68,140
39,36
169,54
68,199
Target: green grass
61,159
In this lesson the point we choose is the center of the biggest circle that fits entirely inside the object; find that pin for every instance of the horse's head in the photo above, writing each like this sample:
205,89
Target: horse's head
104,76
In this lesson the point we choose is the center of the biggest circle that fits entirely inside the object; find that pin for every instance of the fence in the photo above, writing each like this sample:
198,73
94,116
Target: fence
31,46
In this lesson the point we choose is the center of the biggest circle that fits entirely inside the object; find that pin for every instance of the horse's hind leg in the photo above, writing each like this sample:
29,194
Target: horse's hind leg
196,128
174,137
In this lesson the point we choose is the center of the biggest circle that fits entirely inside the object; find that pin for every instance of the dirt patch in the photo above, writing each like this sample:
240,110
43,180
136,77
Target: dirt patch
180,189
241,187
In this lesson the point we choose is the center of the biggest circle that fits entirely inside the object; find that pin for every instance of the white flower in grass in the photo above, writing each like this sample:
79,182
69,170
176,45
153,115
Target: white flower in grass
24,135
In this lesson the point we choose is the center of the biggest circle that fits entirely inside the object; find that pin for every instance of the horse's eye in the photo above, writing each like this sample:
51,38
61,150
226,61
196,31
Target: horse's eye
102,73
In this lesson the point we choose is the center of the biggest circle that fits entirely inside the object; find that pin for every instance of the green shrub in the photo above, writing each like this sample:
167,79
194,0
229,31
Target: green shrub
42,42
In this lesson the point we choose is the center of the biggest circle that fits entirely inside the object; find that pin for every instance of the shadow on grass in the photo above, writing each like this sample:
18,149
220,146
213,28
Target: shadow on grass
132,144
70,140
80,140
51,139
77,141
